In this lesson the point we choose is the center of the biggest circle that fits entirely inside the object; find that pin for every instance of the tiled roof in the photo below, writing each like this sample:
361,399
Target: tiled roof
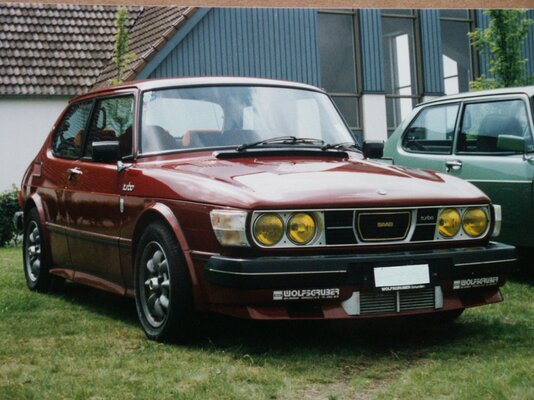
152,29
54,49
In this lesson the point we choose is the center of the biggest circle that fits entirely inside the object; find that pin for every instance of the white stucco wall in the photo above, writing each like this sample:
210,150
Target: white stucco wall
24,124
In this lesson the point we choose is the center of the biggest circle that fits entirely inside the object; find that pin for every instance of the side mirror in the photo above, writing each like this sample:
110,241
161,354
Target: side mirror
106,151
517,144
373,149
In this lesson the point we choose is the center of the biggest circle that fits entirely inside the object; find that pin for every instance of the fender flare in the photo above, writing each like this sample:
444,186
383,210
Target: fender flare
40,206
168,216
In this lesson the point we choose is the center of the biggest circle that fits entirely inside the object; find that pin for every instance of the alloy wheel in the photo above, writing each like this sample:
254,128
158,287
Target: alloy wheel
155,290
33,251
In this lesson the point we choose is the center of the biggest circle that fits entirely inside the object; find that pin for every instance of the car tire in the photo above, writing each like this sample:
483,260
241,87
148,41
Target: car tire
36,269
163,293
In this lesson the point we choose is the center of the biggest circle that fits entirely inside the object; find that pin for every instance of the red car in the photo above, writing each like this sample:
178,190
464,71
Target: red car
250,198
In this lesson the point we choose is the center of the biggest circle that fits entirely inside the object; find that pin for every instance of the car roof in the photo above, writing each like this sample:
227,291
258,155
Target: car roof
151,84
528,90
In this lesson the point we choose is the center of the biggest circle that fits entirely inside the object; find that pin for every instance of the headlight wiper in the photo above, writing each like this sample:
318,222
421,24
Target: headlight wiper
281,140
351,146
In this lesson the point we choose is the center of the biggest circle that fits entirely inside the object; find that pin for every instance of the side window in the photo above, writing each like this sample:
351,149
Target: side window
112,120
432,131
484,123
68,140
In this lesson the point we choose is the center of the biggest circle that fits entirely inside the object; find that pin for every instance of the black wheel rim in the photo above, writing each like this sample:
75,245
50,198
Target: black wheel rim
154,284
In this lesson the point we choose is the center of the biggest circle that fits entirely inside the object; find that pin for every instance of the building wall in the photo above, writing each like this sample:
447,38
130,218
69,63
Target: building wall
25,123
267,43
284,44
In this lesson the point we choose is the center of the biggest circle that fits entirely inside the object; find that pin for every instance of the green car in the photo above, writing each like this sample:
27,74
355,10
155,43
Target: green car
484,137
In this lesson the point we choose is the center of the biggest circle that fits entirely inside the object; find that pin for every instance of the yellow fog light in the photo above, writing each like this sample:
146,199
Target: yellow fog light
269,229
301,228
449,222
475,222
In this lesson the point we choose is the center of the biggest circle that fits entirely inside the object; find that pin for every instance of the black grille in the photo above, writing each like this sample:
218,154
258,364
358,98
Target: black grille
336,219
395,225
423,233
339,229
383,226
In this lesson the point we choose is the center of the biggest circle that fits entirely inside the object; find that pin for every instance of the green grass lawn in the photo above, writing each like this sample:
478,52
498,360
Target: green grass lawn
80,343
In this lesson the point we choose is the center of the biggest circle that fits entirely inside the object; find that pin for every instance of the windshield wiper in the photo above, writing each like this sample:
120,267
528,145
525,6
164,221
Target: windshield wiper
342,146
281,140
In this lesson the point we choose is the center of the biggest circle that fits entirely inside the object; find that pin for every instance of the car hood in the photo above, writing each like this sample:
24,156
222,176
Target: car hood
300,182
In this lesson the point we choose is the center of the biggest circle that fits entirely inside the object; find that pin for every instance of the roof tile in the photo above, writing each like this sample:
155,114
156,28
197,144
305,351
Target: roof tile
65,49
56,49
152,29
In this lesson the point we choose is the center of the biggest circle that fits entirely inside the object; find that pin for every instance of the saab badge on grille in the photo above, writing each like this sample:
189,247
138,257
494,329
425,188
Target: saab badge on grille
375,226
388,224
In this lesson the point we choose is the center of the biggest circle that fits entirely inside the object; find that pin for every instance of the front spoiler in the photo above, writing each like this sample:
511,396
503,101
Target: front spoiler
493,259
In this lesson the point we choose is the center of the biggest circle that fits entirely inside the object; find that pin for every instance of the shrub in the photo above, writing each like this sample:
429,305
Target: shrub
8,206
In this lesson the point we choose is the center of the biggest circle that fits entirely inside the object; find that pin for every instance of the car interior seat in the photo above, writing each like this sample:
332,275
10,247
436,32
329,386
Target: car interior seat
202,138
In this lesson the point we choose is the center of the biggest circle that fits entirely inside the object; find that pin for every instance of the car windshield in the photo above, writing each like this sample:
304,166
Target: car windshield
230,116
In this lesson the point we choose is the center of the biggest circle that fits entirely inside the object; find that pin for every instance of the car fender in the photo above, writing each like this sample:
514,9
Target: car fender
169,217
35,200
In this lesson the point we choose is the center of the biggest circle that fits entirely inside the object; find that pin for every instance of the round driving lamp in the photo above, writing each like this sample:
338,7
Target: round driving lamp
449,222
301,228
475,222
269,229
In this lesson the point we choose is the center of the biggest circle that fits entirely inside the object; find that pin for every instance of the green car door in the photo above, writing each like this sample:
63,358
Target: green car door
487,141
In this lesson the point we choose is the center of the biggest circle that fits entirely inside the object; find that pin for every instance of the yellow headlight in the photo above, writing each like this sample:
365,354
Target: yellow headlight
269,229
475,222
449,222
301,228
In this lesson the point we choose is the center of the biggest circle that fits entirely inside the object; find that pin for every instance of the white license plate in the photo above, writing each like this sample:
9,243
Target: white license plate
402,276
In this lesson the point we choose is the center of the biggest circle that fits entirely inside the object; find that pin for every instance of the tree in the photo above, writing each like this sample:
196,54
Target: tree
503,40
121,56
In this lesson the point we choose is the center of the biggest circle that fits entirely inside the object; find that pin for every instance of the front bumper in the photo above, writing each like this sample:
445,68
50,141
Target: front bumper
343,286
357,270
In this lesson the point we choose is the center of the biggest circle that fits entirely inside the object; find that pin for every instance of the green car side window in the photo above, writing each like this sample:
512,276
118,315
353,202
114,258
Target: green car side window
484,123
432,131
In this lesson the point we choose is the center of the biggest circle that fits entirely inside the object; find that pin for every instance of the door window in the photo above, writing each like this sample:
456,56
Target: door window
112,120
69,136
432,131
484,125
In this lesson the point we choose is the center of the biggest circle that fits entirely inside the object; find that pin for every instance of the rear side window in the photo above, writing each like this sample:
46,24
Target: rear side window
432,131
69,137
112,121
484,123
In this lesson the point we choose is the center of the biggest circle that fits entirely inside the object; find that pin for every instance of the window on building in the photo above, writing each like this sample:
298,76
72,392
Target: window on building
337,51
457,57
400,64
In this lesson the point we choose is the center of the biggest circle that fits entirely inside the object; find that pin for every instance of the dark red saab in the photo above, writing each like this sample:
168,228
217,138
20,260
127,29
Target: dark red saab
249,198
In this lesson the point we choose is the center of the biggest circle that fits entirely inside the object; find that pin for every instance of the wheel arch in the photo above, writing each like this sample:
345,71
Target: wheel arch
35,201
161,212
